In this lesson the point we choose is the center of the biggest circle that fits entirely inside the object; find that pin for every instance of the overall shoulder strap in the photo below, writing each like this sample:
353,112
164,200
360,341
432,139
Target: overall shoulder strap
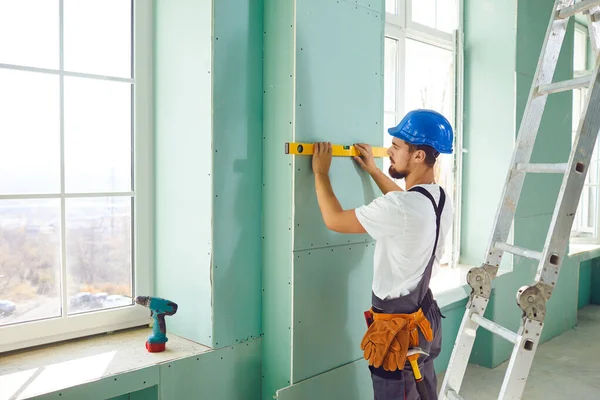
423,291
438,208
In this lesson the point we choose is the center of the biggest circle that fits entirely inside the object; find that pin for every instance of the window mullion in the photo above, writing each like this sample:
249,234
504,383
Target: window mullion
401,76
63,218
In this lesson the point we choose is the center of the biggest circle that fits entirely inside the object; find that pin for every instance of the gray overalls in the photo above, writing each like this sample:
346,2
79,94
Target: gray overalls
400,385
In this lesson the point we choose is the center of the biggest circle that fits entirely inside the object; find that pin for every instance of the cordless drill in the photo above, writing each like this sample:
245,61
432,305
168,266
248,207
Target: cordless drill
158,309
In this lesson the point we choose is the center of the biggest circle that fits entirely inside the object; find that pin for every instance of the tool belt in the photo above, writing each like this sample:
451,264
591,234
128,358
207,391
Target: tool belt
389,337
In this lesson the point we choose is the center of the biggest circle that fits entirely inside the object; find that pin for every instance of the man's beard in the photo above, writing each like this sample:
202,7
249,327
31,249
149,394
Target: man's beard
397,174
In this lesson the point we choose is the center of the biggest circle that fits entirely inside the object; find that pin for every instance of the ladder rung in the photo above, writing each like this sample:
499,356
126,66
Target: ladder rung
518,251
495,328
543,168
580,7
557,87
452,395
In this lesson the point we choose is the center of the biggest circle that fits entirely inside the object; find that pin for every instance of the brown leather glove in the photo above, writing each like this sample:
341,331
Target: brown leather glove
378,339
396,355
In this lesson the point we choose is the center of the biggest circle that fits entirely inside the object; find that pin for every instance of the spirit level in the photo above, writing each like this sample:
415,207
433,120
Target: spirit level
306,149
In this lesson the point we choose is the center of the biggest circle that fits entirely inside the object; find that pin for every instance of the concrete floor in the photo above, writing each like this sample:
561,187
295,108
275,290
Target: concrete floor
566,367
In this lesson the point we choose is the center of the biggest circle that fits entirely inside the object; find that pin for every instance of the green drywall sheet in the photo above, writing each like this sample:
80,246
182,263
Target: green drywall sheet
584,293
453,314
144,380
349,382
331,292
237,170
339,86
231,373
183,163
333,272
489,118
278,100
315,88
150,393
595,282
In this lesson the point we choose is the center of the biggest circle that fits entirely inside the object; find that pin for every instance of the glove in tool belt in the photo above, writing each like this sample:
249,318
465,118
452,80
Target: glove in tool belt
389,337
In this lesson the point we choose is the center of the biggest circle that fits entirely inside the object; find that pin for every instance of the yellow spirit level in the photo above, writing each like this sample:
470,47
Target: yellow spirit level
306,149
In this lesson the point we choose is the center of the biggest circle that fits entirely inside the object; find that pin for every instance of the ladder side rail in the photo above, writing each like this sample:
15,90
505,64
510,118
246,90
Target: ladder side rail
532,300
463,344
571,188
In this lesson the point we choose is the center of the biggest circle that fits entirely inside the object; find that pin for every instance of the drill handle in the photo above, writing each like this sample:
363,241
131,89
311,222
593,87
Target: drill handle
160,317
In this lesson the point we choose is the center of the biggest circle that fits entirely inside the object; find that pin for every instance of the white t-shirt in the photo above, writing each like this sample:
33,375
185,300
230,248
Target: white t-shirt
403,225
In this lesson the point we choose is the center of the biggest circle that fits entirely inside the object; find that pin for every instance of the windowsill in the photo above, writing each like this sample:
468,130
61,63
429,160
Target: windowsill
584,251
450,285
25,374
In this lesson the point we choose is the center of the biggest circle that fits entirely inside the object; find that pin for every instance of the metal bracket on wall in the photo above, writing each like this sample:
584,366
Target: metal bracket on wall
338,150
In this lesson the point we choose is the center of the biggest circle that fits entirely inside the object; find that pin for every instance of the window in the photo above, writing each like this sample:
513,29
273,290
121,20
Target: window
75,192
585,224
422,64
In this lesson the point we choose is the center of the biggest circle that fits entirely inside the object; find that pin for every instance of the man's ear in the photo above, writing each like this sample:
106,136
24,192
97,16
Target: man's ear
420,156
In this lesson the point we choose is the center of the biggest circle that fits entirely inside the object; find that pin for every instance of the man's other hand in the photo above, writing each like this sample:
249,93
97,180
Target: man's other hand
321,161
366,159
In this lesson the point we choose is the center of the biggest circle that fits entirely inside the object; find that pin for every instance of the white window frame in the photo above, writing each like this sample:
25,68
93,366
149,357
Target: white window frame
401,27
578,234
34,333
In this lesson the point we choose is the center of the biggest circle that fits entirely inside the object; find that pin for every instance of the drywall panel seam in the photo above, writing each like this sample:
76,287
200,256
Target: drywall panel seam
212,170
293,186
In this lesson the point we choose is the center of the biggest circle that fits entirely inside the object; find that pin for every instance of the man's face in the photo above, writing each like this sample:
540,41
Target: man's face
399,159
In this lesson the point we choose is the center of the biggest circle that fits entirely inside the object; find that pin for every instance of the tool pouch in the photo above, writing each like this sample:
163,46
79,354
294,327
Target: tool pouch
387,340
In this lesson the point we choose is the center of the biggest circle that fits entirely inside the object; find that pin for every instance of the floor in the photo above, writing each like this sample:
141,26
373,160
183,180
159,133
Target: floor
566,367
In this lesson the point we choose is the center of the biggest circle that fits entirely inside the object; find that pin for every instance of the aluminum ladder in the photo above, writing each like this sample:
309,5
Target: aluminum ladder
532,299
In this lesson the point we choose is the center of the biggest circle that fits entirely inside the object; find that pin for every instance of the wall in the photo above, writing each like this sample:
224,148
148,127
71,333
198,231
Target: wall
209,167
237,170
489,117
595,283
584,293
183,165
322,81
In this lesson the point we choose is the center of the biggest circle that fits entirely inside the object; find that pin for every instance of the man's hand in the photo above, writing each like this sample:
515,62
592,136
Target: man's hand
366,159
321,160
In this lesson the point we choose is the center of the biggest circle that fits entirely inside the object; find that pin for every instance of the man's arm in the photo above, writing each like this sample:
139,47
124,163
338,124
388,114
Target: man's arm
335,217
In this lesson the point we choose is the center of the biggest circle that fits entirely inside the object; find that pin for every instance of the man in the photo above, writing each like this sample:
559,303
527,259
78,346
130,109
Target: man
410,229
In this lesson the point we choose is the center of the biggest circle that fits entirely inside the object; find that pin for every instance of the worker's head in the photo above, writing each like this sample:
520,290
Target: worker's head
418,140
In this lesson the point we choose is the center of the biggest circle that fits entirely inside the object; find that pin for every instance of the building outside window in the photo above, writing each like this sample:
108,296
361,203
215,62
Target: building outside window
75,162
423,62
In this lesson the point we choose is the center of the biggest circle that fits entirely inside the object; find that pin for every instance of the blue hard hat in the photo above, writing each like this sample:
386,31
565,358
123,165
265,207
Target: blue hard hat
425,127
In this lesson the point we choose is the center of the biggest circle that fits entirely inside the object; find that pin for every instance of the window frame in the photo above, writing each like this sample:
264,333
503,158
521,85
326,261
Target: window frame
400,27
577,233
39,332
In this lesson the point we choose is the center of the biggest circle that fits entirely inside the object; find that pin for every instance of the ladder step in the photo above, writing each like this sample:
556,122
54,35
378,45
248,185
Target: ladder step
518,251
452,395
563,86
543,168
495,328
576,8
